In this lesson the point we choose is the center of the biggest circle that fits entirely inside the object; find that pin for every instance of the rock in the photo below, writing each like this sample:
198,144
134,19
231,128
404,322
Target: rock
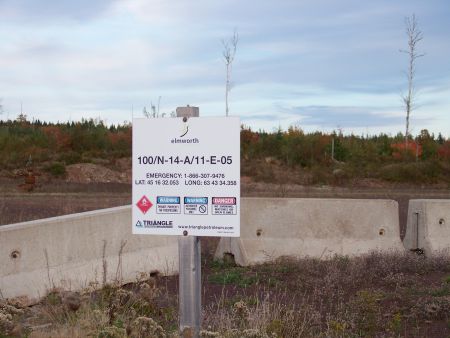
338,173
20,302
72,301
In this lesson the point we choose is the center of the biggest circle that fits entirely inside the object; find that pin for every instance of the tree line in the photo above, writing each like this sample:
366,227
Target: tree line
295,147
88,139
69,142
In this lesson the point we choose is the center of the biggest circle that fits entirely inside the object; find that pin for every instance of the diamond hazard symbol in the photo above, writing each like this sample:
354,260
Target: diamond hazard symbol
144,204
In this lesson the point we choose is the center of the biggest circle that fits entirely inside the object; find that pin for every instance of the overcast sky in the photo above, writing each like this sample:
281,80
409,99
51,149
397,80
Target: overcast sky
315,64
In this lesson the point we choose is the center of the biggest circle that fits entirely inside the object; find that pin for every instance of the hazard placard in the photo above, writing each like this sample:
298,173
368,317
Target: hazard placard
223,206
186,176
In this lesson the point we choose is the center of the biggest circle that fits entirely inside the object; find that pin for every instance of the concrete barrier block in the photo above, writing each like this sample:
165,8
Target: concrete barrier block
78,250
300,227
428,226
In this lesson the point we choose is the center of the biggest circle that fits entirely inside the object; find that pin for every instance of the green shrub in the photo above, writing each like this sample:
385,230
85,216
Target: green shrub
57,169
70,157
424,172
447,279
232,277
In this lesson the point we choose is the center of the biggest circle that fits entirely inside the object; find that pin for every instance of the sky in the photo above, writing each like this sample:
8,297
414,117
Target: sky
313,64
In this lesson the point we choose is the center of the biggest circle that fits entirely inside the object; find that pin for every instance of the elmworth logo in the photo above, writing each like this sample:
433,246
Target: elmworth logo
185,130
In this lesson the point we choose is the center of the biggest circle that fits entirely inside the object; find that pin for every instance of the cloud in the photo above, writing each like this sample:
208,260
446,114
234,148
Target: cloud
31,12
344,116
315,62
165,12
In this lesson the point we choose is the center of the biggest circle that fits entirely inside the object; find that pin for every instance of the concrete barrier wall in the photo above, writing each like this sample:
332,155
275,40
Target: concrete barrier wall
74,251
428,226
274,227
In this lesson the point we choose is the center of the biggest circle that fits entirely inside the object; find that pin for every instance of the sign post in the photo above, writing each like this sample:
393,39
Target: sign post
189,282
190,286
186,182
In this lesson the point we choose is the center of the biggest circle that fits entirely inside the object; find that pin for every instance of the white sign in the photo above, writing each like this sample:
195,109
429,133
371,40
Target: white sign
186,176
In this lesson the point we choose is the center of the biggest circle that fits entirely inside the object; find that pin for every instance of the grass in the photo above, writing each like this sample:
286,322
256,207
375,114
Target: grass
112,311
375,295
389,295
343,297
27,207
227,273
447,279
232,277
443,291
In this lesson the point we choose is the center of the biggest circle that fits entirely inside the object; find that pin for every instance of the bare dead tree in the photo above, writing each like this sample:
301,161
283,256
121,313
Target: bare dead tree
414,37
229,51
154,110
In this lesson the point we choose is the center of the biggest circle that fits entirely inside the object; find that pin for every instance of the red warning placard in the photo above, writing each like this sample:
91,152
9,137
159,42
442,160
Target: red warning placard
144,204
224,200
223,206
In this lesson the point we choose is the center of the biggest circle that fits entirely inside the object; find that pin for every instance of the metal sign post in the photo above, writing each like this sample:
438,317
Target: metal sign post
190,277
190,286
186,183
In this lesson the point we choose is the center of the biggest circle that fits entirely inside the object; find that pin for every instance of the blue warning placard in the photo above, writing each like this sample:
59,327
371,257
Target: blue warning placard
168,205
196,205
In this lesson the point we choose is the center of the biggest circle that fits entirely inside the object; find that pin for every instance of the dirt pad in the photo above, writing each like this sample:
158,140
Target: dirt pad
89,173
